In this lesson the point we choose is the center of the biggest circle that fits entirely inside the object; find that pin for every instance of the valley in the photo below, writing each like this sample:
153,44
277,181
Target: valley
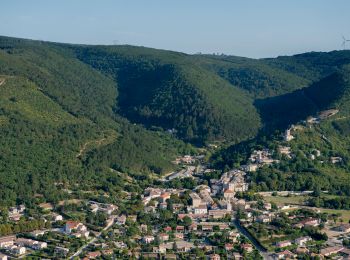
133,152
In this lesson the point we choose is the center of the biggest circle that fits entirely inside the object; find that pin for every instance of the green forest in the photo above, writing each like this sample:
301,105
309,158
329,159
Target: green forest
79,114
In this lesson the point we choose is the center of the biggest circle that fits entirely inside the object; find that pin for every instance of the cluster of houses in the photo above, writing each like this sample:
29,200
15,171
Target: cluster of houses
259,158
19,246
188,172
15,213
229,184
211,208
187,159
102,207
76,229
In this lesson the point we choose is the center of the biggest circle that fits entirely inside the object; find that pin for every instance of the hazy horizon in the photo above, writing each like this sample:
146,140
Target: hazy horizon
255,29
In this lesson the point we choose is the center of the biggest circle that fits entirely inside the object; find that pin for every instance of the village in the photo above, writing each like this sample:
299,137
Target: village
215,218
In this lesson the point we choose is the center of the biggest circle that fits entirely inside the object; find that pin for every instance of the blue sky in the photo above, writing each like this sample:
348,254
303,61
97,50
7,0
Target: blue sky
252,28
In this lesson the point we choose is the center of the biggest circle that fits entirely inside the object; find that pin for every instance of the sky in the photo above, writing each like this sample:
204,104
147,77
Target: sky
250,28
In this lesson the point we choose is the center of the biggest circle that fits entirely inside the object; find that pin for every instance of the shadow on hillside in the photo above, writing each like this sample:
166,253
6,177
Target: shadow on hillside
280,111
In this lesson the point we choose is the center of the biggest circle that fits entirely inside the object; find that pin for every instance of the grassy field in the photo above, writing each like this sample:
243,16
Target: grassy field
300,200
286,200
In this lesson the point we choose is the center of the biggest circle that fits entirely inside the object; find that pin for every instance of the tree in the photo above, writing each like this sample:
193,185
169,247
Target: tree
187,221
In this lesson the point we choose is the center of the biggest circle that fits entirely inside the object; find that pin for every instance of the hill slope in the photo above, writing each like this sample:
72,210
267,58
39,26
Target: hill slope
56,115
168,90
71,113
330,92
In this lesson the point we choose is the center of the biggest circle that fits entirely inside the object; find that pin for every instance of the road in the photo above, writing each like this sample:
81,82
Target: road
242,230
80,250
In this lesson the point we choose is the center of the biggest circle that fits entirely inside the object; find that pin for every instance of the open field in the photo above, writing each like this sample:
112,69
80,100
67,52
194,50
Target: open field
300,201
286,200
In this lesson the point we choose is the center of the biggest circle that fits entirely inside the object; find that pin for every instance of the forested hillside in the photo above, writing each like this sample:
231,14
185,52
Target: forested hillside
78,113
329,136
169,90
257,77
330,92
56,114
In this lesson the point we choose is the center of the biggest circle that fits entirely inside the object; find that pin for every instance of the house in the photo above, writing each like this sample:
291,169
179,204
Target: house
182,246
179,235
285,150
282,244
237,256
310,222
107,252
214,257
136,255
56,217
233,236
74,225
93,255
161,249
217,213
287,136
331,250
40,245
37,233
229,194
164,197
180,228
7,241
168,229
247,247
263,219
81,234
336,160
61,251
15,217
46,206
240,204
163,237
163,205
121,220
36,245
286,254
188,159
228,247
343,228
301,241
251,167
201,209
195,200
267,206
3,257
148,239
170,256
192,227
302,250
109,209
177,207
208,226
17,250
